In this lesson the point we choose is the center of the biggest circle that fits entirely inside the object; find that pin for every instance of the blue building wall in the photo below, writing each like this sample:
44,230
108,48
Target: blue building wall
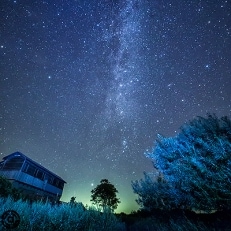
31,178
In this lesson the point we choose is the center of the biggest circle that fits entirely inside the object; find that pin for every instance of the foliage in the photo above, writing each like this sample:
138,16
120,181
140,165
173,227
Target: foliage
6,189
196,164
63,217
176,220
153,192
72,200
74,203
104,195
182,224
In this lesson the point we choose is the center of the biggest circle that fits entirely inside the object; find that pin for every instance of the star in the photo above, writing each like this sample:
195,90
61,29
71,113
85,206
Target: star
86,87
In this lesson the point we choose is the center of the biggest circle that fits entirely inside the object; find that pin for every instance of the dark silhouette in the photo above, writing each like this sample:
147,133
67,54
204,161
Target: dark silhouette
104,195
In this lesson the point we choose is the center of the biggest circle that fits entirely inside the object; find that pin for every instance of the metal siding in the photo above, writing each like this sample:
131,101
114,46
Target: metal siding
30,181
9,174
53,189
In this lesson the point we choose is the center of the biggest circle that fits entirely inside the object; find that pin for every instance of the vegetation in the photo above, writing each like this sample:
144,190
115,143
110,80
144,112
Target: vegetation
193,169
192,173
63,217
74,203
6,189
104,195
175,220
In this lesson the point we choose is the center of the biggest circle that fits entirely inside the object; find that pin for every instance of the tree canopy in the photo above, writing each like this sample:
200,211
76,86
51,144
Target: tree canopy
104,195
6,189
193,168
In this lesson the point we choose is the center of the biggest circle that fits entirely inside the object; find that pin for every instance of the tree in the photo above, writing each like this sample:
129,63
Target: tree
196,164
6,189
104,195
74,203
152,192
72,200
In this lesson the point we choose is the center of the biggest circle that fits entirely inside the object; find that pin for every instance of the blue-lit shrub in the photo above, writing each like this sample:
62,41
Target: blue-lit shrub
195,167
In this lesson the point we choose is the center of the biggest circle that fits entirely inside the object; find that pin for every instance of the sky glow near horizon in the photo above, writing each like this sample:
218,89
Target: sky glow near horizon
87,85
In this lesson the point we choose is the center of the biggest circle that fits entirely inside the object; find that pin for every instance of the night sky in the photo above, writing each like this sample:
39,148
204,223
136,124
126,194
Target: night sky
86,85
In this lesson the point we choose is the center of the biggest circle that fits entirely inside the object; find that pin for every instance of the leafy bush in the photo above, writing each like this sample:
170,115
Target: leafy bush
194,168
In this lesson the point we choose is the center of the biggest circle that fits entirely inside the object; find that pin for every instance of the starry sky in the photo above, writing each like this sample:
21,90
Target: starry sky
86,85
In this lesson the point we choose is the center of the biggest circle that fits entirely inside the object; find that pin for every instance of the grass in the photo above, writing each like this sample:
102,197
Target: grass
40,216
46,217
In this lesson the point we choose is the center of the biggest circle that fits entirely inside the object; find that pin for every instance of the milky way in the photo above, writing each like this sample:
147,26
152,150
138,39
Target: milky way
120,101
85,86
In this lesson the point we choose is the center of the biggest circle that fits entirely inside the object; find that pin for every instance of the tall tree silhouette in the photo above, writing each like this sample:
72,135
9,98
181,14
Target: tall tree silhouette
104,195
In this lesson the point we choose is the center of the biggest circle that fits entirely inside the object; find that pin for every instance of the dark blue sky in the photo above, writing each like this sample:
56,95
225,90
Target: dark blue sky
85,86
